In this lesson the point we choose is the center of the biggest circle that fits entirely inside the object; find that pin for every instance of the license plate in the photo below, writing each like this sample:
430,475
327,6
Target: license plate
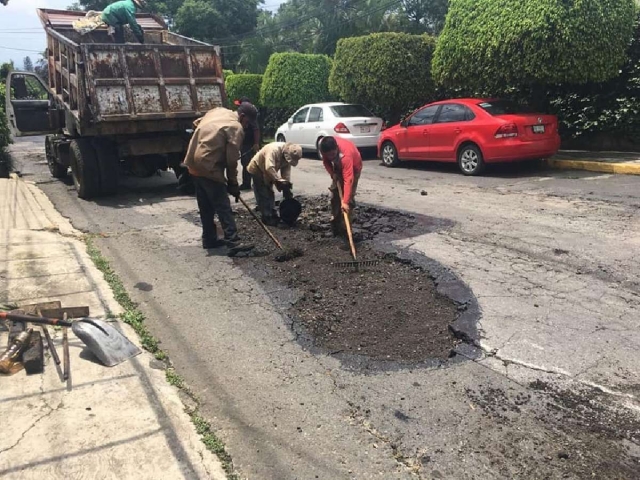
365,129
538,129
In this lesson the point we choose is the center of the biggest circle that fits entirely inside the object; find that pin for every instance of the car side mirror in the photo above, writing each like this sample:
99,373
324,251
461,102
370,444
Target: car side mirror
290,121
404,123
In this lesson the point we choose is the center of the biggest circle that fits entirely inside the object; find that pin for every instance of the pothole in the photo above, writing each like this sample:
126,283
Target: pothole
398,312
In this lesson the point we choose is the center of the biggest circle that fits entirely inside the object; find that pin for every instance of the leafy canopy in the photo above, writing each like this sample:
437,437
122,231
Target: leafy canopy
491,43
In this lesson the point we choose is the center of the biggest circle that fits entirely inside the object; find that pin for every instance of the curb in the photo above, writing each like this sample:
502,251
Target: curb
601,167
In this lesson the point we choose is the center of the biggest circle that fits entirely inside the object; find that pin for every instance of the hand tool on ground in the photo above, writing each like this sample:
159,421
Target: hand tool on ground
285,254
10,360
109,345
65,354
355,264
52,347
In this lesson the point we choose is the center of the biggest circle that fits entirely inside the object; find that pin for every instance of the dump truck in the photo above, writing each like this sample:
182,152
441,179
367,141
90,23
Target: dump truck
108,108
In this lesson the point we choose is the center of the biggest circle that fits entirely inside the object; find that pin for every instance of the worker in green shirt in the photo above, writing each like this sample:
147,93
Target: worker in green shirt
122,13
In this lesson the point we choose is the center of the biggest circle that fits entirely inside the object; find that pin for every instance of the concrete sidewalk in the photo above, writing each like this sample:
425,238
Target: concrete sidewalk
626,163
108,423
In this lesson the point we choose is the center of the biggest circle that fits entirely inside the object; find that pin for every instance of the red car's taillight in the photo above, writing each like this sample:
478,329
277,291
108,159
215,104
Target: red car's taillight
341,128
510,130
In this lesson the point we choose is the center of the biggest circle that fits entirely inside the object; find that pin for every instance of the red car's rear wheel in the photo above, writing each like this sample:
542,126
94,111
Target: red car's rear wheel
470,159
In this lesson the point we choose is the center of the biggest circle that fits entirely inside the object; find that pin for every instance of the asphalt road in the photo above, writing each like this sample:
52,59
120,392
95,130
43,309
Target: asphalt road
552,258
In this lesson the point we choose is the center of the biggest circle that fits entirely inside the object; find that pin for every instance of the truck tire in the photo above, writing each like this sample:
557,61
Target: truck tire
109,166
57,170
84,168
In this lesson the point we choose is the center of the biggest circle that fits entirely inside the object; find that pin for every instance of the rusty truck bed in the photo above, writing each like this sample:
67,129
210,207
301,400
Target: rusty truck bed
170,77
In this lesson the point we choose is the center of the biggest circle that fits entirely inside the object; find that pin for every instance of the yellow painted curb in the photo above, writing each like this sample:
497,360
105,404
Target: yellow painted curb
602,167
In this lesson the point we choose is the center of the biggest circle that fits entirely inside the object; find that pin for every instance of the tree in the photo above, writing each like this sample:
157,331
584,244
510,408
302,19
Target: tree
489,45
42,67
215,19
27,64
387,72
195,18
5,68
424,16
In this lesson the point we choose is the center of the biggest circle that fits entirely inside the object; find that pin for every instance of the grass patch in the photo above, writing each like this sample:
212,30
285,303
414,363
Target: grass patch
134,317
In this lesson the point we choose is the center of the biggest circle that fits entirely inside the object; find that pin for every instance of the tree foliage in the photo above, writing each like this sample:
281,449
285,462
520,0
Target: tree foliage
489,44
294,79
388,72
611,108
42,67
244,85
27,64
208,20
5,68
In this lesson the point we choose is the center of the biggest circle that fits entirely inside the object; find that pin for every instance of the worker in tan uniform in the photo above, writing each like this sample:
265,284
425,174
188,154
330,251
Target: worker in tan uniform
212,160
270,167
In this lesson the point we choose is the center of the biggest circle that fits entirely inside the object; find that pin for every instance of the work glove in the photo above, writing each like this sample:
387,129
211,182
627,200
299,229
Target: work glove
234,191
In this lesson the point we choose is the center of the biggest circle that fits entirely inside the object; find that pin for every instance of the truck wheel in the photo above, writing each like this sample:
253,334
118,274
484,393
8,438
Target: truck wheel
57,170
109,165
84,168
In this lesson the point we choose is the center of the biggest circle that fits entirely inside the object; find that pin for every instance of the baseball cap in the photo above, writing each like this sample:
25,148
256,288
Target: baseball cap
241,101
292,153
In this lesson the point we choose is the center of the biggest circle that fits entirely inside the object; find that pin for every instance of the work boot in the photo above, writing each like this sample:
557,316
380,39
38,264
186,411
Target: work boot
245,187
270,221
207,244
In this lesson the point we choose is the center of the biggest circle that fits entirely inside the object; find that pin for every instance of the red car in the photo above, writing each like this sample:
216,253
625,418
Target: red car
472,132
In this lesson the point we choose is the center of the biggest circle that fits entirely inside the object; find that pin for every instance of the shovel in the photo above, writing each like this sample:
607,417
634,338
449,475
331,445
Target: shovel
109,345
285,253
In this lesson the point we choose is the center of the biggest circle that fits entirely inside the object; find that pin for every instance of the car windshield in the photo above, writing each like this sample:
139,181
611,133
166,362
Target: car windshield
346,111
504,107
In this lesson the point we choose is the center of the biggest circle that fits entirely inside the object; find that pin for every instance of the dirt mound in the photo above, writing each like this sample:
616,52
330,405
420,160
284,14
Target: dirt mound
388,312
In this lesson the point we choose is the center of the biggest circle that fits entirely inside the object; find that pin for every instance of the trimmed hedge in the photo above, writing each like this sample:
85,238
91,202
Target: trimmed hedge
227,73
387,72
603,115
488,44
243,85
295,79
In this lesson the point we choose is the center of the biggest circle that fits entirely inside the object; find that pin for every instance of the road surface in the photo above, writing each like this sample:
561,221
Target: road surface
551,257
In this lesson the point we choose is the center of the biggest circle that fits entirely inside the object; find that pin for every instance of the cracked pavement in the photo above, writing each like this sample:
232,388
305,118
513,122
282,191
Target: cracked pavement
550,256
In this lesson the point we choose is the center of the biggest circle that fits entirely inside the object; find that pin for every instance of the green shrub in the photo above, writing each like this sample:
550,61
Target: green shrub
5,137
243,85
227,73
295,79
5,140
487,45
604,115
387,72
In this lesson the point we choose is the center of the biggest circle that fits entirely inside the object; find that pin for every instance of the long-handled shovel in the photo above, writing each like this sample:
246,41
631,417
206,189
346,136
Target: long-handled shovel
355,264
109,345
285,253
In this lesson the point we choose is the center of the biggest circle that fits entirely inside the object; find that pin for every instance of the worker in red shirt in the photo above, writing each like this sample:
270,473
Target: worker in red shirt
342,160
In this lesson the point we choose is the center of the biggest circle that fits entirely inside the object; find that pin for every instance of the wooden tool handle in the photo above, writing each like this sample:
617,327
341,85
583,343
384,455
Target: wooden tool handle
52,347
347,223
18,317
264,227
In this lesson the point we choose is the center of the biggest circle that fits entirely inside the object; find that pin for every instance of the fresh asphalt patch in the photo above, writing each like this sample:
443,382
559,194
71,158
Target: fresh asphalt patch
393,314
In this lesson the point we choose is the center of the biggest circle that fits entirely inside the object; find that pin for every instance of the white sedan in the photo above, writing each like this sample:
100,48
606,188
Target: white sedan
311,123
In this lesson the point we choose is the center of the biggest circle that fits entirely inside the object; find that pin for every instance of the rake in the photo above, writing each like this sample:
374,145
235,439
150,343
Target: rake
356,264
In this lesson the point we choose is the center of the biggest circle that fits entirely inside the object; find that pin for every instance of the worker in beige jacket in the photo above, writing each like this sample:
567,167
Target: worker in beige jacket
272,166
212,160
